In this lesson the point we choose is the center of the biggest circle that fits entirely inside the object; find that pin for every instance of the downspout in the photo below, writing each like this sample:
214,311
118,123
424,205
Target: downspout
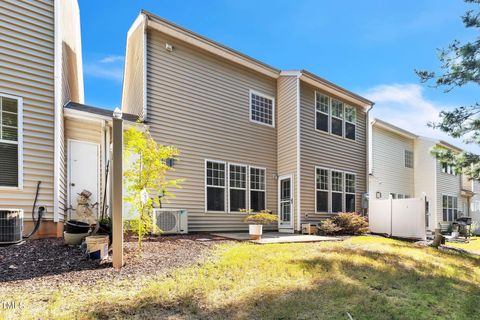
58,108
368,154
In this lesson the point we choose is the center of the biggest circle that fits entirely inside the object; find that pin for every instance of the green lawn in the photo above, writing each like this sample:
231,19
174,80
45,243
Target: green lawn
473,245
368,277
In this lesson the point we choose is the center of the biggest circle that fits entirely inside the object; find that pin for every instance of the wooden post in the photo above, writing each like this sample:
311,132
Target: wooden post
117,188
439,239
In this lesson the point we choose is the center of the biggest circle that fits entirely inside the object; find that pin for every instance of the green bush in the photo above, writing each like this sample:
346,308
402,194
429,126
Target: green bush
345,223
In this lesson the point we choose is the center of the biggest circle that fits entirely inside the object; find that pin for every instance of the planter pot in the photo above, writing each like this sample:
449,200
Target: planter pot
73,239
255,231
74,226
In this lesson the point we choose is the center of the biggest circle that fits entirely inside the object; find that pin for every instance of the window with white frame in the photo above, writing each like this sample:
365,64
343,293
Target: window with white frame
10,134
450,208
350,122
238,187
337,117
322,189
257,189
262,108
350,186
337,191
448,169
408,159
215,184
322,110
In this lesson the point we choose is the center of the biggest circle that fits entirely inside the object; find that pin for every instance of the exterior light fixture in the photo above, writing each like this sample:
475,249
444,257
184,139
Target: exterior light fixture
117,113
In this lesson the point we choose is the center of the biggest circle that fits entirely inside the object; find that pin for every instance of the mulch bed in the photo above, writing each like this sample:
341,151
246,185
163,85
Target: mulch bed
51,262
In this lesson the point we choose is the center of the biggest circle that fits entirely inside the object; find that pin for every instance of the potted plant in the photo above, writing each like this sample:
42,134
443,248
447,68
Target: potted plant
256,222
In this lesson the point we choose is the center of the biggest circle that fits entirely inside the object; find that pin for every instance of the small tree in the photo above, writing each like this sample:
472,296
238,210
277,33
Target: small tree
145,177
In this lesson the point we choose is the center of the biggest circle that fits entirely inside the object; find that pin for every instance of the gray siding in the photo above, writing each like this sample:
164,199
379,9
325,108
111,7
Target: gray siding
133,87
27,60
324,150
447,184
389,174
200,104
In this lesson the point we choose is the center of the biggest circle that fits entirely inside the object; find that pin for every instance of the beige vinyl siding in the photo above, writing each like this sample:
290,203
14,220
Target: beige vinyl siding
328,151
425,177
389,174
133,88
27,60
287,88
200,104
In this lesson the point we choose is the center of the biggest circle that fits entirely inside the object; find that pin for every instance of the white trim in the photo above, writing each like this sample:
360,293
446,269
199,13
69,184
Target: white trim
250,92
295,73
330,189
458,202
250,189
315,93
145,57
292,201
138,20
247,180
69,174
57,108
298,173
224,187
19,142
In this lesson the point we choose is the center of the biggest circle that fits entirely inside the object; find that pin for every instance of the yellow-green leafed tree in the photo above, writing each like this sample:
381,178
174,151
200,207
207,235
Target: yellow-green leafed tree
145,177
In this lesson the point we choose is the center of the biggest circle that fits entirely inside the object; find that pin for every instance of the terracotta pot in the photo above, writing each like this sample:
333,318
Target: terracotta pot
255,231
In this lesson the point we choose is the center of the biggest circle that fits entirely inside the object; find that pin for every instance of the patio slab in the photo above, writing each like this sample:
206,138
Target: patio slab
276,237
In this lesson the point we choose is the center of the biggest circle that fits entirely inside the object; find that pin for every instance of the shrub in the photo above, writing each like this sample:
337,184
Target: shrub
260,218
345,223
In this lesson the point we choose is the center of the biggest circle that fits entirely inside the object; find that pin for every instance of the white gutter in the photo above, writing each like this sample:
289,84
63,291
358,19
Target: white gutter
57,108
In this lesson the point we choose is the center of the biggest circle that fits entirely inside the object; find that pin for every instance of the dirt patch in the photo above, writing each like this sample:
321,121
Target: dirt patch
50,261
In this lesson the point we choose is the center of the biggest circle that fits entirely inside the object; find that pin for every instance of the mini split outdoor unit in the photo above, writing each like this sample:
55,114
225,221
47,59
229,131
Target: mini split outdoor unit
171,221
11,226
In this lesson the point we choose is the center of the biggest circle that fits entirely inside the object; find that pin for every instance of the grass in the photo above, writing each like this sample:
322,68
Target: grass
368,277
473,245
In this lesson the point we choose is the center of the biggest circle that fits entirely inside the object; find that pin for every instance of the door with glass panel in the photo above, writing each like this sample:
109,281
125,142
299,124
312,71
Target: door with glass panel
285,212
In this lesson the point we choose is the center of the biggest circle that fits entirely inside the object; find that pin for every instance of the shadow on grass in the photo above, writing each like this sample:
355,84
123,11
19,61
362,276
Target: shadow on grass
366,284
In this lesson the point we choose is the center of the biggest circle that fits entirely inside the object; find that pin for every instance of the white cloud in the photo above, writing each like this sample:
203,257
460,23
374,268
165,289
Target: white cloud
405,106
109,67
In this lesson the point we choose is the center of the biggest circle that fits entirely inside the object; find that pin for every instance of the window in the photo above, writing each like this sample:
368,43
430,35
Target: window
400,196
215,174
446,168
350,122
450,208
393,195
408,159
238,187
262,109
257,189
337,118
322,105
10,141
322,187
337,191
349,192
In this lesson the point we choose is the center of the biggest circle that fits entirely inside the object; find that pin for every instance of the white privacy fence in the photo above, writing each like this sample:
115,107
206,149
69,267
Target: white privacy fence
403,218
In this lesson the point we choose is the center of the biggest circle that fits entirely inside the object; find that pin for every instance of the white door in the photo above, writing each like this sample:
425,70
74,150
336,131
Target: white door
285,202
83,173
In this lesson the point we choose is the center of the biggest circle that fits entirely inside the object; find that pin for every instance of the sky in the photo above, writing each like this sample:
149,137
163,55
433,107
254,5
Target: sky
369,47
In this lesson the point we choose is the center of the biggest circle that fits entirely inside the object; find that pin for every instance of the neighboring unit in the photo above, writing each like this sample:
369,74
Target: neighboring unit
250,136
402,166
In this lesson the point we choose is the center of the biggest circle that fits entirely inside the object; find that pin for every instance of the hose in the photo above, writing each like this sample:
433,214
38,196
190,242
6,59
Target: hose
41,210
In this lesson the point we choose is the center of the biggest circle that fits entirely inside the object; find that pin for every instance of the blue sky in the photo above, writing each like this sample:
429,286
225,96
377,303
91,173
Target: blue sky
369,47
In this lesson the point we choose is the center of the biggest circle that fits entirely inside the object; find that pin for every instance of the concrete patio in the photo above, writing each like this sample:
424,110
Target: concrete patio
276,237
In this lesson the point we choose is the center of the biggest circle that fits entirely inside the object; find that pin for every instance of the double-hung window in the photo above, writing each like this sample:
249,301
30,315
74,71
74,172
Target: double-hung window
350,122
238,187
322,189
215,184
448,169
262,109
337,191
349,192
450,208
257,189
408,159
337,118
322,110
10,141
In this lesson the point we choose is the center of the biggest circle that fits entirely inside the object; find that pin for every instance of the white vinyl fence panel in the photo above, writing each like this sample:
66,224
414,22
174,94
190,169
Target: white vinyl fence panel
403,218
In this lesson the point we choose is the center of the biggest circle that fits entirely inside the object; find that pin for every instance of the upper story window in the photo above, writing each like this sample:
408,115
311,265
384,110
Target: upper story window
10,141
446,168
262,109
408,159
335,117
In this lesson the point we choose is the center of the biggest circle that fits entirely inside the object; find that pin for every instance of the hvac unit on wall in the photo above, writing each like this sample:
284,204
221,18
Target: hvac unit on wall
171,221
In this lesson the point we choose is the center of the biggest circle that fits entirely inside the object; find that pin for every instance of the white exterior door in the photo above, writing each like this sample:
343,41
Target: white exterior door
285,202
83,173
